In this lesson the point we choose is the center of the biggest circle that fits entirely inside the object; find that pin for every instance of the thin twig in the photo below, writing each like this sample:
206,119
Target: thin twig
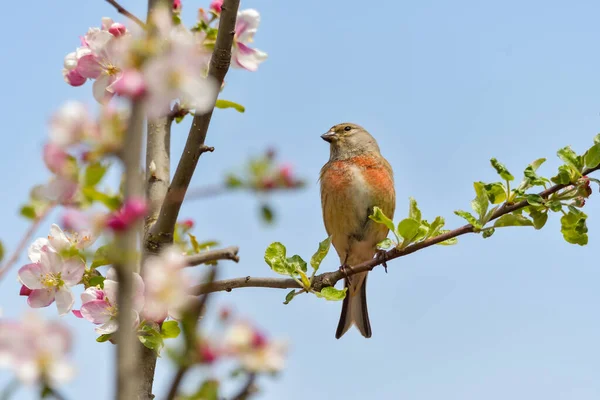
331,278
127,349
194,146
25,240
122,10
228,253
248,388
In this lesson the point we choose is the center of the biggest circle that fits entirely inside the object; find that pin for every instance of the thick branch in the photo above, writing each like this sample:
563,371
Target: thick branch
126,13
194,147
228,253
127,367
331,278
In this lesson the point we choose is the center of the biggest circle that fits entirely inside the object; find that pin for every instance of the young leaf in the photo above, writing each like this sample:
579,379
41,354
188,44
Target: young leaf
574,228
501,170
470,218
408,228
413,210
379,217
28,212
102,256
512,220
304,279
488,232
275,258
230,104
94,174
447,242
435,227
97,280
592,156
385,244
563,177
480,203
496,192
317,258
597,139
333,294
104,338
170,330
295,263
290,296
267,213
208,391
539,218
570,158
194,242
531,178
535,200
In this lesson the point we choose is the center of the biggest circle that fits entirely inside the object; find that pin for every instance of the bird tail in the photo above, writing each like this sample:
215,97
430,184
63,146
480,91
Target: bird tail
354,308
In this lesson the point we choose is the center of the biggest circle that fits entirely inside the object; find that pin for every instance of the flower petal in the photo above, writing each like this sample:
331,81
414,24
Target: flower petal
41,298
108,327
110,290
72,271
99,89
247,24
35,249
96,311
247,57
30,275
89,67
64,300
51,261
77,313
58,239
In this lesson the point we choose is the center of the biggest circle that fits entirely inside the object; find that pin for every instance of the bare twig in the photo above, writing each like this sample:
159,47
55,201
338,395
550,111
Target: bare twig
25,240
194,147
228,253
247,389
190,324
122,10
331,278
127,366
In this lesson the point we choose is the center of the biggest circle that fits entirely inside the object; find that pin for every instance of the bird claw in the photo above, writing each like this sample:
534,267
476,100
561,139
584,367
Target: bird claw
344,268
380,257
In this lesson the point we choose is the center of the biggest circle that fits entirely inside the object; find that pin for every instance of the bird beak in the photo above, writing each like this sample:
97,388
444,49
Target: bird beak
328,137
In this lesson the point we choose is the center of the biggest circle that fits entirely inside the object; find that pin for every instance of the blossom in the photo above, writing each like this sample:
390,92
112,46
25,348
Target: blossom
255,352
58,161
70,124
176,6
57,190
131,84
62,241
36,350
100,307
244,56
132,211
216,6
50,279
168,290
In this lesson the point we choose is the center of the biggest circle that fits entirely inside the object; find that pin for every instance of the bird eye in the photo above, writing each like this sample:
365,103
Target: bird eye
347,128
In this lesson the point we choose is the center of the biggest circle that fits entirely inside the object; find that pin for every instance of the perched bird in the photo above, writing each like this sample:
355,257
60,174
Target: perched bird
354,180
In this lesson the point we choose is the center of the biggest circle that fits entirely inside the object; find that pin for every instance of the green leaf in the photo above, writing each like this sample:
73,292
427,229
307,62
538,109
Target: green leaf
480,203
435,227
554,205
531,178
290,296
267,213
1,251
152,339
113,203
379,217
496,192
232,181
170,330
333,294
97,280
574,228
570,158
408,228
413,211
275,258
488,232
385,244
563,177
512,220
295,263
539,218
317,258
102,256
447,242
194,242
597,139
28,212
469,217
592,156
104,338
229,104
209,390
94,174
535,200
501,170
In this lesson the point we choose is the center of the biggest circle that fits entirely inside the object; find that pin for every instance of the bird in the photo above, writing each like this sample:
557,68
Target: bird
354,180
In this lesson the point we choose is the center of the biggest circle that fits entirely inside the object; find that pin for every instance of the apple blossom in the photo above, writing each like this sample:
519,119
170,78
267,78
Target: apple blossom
168,290
133,210
70,124
130,85
50,279
245,28
58,190
35,350
59,161
63,242
100,307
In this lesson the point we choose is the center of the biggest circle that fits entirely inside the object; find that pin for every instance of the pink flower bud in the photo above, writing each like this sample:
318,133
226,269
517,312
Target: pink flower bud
133,210
25,291
77,313
268,183
73,77
131,84
187,223
285,172
117,29
216,6
207,354
224,314
176,5
55,158
258,340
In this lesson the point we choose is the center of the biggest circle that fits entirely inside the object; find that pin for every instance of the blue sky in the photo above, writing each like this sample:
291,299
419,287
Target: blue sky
444,87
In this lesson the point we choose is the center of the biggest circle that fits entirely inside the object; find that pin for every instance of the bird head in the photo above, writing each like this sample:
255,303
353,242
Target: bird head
348,140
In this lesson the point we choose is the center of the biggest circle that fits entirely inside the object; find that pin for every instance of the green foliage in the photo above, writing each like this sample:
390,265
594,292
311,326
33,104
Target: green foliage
208,390
317,258
1,251
170,329
501,170
97,280
102,256
94,173
332,294
573,227
104,338
230,104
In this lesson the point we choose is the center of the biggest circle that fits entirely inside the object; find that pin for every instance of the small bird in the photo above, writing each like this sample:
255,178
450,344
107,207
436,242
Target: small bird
354,180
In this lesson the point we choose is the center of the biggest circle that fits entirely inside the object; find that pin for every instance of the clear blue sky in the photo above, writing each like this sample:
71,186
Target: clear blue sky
443,86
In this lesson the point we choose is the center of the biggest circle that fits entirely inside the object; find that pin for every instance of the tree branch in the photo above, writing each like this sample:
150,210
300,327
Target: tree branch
123,11
228,253
127,243
331,278
194,146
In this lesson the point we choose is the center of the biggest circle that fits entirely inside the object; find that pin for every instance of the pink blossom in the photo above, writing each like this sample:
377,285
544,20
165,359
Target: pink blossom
100,305
168,290
187,223
176,5
133,210
59,161
58,190
36,350
130,85
244,56
117,29
50,279
216,6
61,241
255,352
70,124
70,73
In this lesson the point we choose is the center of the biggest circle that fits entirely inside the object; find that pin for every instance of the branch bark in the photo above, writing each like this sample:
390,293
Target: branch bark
122,10
331,278
219,65
228,253
127,366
